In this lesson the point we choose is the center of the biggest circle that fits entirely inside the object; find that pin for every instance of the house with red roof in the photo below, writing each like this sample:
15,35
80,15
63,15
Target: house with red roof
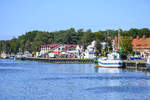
138,44
57,48
141,44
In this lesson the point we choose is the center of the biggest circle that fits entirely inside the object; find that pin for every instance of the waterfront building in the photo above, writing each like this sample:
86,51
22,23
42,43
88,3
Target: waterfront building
67,51
49,47
141,44
58,49
90,51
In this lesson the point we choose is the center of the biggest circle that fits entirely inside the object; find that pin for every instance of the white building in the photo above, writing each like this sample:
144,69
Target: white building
90,51
57,49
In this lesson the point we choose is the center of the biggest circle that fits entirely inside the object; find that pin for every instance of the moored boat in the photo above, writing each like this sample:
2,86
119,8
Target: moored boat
111,61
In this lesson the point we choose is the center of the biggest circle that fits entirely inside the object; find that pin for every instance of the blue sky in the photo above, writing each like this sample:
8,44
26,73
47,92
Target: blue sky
20,16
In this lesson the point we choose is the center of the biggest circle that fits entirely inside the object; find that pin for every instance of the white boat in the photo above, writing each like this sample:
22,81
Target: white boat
4,55
111,61
148,62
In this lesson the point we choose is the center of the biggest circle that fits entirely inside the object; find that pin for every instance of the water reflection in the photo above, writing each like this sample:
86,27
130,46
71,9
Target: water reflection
107,70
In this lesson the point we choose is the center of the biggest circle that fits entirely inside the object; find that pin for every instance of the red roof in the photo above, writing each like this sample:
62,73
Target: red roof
58,44
70,45
141,43
51,45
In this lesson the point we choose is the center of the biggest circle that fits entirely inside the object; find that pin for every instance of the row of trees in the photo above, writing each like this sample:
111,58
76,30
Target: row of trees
31,41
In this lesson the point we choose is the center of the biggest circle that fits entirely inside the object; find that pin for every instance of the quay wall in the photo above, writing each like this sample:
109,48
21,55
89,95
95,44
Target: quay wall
127,63
135,64
58,60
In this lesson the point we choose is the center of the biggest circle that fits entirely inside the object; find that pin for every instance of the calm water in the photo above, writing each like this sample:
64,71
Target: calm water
27,80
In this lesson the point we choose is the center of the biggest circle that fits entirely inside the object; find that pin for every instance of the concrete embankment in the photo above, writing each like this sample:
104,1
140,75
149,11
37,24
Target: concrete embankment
135,64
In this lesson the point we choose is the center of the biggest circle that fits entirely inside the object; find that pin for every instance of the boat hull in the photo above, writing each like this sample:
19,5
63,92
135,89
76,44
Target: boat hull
110,63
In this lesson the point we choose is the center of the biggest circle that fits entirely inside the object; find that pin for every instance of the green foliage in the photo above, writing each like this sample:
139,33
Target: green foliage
32,40
99,37
126,46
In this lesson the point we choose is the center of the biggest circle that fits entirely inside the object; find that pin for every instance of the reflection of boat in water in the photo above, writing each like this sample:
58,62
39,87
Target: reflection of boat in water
108,70
148,61
111,61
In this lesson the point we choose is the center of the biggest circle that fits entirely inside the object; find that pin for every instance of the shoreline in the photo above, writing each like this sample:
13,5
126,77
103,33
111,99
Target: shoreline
59,60
128,64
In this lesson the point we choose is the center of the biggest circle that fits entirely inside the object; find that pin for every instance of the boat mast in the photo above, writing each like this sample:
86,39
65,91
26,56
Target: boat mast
119,39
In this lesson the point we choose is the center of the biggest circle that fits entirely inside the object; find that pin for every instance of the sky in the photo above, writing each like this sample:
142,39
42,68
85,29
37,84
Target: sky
20,16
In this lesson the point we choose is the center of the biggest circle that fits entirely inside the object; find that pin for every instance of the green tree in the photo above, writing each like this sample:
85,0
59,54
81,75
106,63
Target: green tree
126,46
99,37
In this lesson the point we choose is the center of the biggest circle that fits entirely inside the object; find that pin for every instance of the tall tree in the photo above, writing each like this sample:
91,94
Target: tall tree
126,46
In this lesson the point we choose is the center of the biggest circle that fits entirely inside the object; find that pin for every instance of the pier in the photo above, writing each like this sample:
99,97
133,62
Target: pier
59,60
127,63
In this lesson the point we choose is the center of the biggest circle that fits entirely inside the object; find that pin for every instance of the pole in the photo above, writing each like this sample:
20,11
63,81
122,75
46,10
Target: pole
119,39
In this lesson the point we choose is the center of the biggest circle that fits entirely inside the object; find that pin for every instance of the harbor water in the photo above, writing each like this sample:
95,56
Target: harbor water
28,80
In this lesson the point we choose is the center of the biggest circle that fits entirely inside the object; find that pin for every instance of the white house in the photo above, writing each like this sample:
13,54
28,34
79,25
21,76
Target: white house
90,51
57,49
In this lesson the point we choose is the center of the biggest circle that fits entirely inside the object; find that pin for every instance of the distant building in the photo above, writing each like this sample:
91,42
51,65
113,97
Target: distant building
138,44
90,51
49,47
58,49
141,44
67,51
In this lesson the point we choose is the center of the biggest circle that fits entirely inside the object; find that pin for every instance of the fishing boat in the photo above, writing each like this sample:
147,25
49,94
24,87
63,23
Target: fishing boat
112,60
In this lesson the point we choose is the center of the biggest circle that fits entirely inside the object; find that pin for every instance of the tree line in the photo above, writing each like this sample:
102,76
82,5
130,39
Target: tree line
32,40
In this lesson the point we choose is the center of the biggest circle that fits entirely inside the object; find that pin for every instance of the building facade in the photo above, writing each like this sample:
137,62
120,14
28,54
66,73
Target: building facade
141,44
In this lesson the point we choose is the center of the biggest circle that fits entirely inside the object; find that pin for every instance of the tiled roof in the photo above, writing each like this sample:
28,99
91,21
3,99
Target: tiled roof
138,43
141,43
